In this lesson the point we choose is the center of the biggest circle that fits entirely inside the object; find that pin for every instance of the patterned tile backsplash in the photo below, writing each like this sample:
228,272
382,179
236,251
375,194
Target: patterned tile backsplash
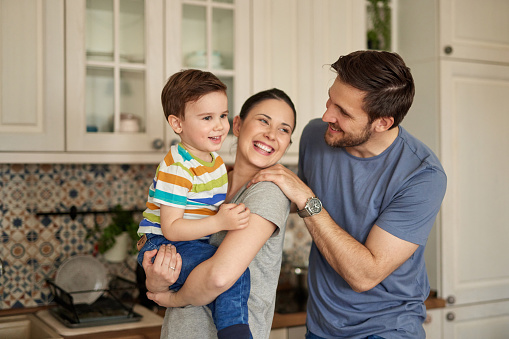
33,246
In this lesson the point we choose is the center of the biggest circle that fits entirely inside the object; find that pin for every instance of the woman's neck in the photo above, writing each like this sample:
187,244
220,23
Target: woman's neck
238,177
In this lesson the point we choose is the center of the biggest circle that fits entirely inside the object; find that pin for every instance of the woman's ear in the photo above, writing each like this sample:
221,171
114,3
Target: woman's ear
175,123
237,122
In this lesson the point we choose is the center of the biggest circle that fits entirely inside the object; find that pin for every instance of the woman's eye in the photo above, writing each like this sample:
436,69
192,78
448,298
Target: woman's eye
285,130
264,121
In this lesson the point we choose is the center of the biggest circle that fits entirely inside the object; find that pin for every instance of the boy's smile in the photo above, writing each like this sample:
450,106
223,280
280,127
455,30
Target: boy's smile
205,125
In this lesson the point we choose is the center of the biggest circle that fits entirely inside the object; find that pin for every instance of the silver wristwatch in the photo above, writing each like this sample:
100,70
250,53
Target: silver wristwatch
313,206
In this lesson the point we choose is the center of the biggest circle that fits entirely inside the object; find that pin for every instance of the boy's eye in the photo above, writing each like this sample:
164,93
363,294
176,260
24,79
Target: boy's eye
224,116
207,118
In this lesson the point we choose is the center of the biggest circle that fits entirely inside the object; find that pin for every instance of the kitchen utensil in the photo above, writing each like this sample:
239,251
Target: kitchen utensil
84,277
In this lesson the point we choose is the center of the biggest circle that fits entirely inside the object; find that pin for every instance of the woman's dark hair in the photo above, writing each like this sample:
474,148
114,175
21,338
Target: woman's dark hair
187,86
257,98
384,77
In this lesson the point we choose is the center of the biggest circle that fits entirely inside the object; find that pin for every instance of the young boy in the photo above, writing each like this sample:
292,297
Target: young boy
190,184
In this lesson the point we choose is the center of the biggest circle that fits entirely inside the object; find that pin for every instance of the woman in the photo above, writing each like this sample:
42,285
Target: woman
263,128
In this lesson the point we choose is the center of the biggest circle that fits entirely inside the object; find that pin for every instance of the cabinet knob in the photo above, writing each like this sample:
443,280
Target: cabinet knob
451,299
450,316
448,50
158,144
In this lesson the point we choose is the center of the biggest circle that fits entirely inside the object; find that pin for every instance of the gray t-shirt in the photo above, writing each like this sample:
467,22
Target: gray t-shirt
268,201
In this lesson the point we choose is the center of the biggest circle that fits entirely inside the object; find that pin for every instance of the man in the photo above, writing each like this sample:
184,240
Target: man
381,190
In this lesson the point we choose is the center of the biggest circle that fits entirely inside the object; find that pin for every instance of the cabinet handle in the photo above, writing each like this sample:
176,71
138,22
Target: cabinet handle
450,316
158,144
451,299
448,50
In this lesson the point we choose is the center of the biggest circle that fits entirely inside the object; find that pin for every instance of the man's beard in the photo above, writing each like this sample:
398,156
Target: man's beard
349,140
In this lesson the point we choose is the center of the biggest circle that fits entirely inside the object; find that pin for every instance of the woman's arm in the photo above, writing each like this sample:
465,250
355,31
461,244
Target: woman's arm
219,273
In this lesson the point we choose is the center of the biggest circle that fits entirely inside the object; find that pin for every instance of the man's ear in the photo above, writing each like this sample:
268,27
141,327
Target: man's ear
383,124
237,122
175,123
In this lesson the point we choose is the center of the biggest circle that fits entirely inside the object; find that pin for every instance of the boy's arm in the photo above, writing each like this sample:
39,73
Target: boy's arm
176,228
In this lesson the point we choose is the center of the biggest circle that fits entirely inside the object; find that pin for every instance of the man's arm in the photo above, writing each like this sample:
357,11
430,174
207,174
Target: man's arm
363,266
219,273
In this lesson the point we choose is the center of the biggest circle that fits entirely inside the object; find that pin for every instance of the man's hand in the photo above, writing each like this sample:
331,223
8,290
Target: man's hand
165,269
291,185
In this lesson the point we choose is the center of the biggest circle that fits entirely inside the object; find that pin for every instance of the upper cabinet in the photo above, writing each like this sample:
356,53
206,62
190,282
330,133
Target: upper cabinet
469,29
31,75
212,35
114,76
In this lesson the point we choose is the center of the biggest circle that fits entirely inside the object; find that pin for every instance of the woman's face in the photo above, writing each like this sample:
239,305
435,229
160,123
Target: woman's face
265,133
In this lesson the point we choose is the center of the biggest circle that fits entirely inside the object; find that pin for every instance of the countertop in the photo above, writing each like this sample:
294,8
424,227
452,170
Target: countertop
299,319
151,328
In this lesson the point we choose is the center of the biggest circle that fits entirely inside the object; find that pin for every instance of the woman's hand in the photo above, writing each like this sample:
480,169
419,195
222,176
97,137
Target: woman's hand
165,269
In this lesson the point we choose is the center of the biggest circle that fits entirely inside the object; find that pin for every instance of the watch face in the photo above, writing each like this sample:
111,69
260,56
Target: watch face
315,205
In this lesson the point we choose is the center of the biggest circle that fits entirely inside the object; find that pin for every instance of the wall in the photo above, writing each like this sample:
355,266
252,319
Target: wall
32,247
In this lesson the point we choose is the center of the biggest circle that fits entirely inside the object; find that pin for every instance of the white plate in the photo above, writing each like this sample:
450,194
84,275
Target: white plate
82,273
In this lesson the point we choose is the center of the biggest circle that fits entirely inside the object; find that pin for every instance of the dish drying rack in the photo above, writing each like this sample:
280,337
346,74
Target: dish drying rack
108,309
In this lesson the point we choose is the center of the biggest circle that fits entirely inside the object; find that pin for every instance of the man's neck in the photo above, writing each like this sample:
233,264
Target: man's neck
378,143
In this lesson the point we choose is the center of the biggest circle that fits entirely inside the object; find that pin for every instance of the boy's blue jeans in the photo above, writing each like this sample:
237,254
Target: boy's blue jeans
230,307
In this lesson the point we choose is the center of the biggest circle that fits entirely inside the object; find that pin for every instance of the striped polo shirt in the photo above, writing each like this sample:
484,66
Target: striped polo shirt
186,182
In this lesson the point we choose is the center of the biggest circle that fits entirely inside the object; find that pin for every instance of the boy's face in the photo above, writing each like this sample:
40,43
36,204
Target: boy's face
205,126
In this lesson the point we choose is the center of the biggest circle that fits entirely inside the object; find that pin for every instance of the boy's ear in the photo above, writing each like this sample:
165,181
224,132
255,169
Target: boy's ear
237,122
175,123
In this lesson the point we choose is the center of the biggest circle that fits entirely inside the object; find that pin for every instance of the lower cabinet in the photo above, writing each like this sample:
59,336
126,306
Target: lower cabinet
433,323
486,320
297,332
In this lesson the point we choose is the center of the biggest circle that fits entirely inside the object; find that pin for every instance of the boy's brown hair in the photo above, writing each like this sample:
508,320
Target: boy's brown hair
187,86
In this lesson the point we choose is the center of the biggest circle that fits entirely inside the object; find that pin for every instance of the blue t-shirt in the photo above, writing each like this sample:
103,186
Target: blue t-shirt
401,191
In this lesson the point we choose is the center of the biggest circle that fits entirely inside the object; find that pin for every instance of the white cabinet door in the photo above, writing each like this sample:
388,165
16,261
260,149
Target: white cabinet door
489,320
433,323
31,75
475,30
474,153
279,333
114,66
294,42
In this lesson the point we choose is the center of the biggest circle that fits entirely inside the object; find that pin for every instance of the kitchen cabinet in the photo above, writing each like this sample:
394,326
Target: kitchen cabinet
114,76
433,323
31,75
460,110
294,42
214,36
487,320
295,332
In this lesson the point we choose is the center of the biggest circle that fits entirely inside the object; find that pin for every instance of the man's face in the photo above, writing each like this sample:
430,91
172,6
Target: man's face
349,125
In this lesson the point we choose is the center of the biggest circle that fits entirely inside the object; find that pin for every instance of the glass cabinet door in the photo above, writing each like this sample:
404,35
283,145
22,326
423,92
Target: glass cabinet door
115,49
114,75
208,40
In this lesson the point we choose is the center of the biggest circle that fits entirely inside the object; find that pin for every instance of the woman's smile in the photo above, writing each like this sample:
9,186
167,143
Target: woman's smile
264,148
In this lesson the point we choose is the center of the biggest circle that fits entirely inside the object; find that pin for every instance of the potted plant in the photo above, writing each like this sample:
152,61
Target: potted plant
119,238
379,34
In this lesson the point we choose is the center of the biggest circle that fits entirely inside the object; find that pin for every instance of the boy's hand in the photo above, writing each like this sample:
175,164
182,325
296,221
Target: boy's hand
233,216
